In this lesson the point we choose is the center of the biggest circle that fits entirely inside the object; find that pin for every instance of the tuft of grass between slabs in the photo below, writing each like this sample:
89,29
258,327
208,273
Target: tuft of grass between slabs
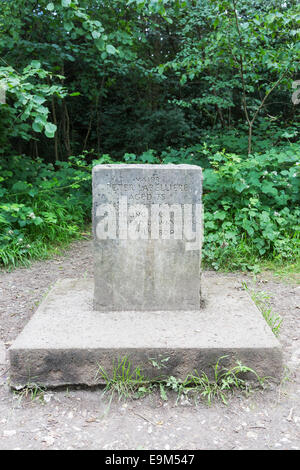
261,300
31,392
127,382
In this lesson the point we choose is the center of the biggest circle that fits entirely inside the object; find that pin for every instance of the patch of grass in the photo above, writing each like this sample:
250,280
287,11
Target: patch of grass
11,256
31,391
284,272
125,381
261,300
130,383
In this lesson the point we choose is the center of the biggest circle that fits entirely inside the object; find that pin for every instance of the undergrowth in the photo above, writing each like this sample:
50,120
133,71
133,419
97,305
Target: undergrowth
42,208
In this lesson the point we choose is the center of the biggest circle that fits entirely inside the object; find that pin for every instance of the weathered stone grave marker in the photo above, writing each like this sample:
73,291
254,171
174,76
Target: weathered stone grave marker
144,301
147,232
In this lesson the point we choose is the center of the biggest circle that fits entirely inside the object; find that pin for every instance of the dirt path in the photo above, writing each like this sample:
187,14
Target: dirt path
83,419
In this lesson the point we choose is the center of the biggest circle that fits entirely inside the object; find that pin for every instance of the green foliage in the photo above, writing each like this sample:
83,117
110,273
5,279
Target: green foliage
41,205
267,134
26,99
139,75
251,204
241,40
252,208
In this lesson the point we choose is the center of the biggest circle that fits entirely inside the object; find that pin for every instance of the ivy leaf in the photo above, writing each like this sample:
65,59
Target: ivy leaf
39,99
35,64
268,188
68,25
240,186
220,215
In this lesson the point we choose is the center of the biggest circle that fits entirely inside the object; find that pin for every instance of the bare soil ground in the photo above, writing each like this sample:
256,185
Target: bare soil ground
84,419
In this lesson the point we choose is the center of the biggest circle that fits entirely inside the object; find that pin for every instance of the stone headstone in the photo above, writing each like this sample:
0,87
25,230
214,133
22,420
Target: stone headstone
147,228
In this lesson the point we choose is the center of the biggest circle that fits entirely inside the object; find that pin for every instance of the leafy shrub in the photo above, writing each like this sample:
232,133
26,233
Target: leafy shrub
251,207
266,134
41,205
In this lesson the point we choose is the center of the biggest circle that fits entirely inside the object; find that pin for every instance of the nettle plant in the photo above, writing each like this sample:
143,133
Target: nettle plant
251,203
251,207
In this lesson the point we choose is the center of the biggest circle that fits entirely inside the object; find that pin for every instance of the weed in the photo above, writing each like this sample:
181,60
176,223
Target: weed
261,300
125,381
159,363
224,381
132,383
31,391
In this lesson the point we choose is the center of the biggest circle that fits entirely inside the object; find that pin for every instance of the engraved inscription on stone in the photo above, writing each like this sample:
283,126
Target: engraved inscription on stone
147,237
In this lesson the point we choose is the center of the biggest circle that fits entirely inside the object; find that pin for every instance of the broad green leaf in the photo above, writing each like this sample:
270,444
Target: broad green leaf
111,49
96,34
50,129
37,126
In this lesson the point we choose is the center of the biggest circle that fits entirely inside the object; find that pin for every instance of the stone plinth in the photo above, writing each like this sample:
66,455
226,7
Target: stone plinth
66,341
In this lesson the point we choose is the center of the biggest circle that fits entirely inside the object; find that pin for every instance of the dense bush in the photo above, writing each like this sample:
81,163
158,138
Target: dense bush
41,206
123,76
252,208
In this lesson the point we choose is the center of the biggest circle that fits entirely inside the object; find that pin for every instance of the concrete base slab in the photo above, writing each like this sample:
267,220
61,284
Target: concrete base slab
66,341
2,353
